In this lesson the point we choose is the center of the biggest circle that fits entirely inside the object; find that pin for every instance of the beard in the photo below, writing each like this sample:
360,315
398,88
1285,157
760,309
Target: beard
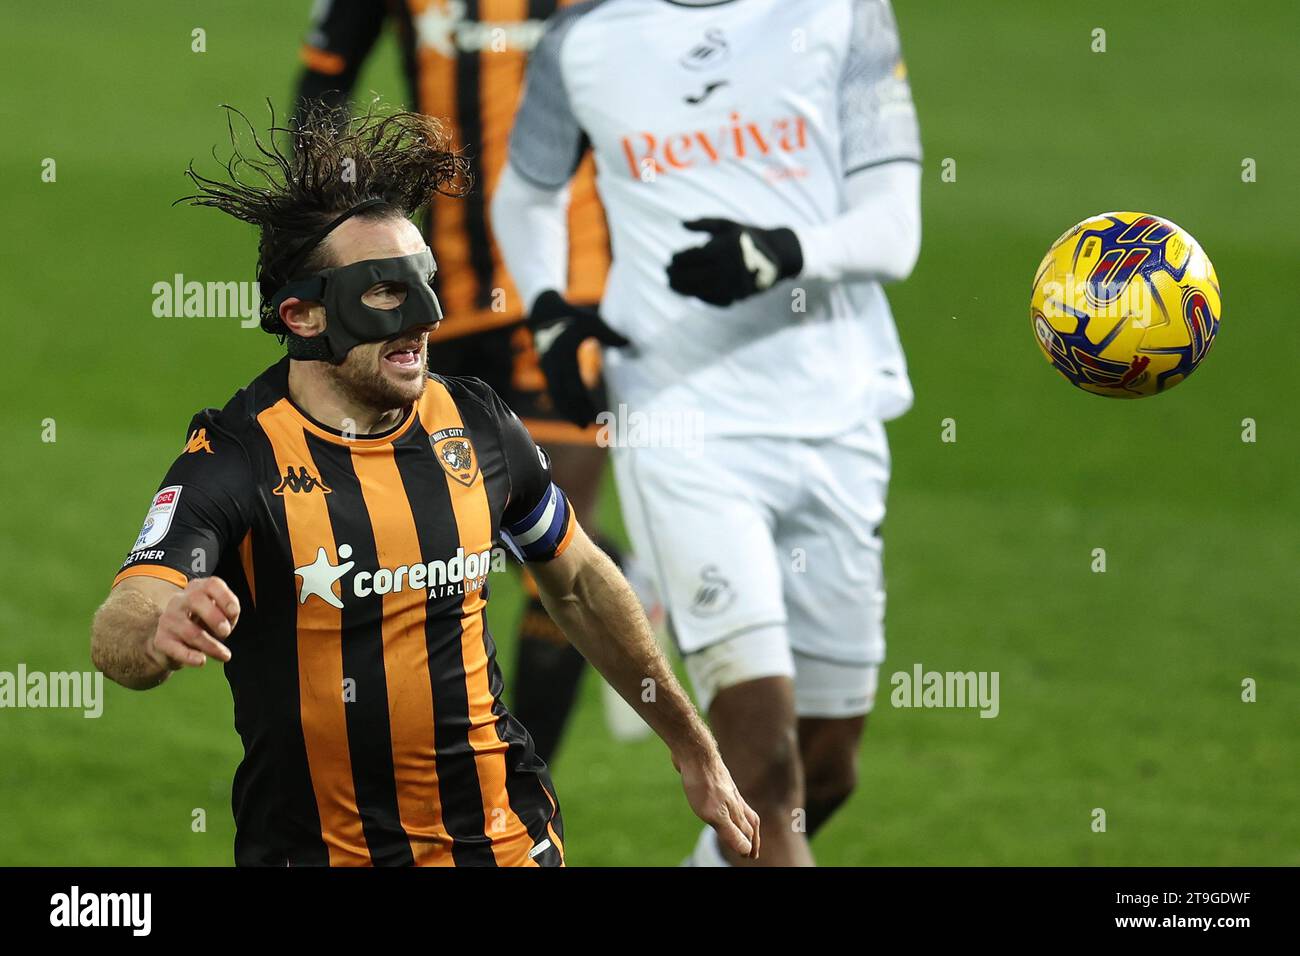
364,380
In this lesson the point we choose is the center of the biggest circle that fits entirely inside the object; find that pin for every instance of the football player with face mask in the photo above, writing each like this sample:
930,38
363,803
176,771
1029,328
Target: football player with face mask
328,536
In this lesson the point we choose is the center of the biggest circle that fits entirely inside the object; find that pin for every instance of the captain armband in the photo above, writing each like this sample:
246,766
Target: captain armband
545,531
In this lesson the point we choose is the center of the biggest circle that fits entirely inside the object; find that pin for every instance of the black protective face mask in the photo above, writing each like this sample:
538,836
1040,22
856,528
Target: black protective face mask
349,322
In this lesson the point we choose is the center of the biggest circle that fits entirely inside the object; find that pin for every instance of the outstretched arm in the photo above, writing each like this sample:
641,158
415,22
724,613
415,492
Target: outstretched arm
596,608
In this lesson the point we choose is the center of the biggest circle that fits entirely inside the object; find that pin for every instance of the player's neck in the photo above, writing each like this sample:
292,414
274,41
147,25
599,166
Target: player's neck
313,391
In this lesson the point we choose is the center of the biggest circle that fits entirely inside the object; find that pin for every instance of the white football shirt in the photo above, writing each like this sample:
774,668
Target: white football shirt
750,110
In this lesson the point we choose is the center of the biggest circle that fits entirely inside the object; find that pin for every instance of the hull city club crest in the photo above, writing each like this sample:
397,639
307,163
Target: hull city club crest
454,452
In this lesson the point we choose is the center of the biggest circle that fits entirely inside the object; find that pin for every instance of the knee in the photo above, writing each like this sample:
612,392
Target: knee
831,780
770,778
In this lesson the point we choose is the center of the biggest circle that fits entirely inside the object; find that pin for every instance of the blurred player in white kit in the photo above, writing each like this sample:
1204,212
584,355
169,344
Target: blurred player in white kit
759,163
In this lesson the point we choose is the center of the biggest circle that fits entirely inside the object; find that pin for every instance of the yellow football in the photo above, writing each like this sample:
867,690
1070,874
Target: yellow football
1125,304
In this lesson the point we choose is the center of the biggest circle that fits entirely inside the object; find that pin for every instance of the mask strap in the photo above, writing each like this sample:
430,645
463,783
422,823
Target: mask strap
310,290
313,288
306,248
314,349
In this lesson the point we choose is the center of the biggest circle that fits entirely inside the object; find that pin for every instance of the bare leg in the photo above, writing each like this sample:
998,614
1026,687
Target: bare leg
828,749
755,726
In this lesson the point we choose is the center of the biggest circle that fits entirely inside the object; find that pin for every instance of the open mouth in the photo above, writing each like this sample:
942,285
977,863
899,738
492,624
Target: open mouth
405,356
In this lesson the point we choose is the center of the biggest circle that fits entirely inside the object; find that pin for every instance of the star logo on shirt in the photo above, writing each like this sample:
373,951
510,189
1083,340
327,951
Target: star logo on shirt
320,576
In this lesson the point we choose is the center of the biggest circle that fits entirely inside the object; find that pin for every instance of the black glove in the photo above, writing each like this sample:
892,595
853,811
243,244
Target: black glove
558,329
737,262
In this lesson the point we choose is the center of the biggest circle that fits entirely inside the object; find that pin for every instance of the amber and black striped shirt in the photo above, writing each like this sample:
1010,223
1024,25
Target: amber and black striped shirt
364,678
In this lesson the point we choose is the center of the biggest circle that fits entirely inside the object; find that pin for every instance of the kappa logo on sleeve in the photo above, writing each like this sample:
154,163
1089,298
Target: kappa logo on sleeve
159,518
198,441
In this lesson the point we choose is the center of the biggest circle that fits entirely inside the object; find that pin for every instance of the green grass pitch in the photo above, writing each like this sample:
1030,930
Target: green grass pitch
1119,690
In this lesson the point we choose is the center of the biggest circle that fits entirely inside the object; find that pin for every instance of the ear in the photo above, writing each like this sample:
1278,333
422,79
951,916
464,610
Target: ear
303,318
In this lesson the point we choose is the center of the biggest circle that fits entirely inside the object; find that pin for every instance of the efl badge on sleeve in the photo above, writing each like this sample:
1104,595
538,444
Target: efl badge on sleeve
159,518
454,452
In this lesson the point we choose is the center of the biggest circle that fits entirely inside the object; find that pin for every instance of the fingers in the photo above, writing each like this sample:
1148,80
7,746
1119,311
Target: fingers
576,408
711,272
565,386
218,592
184,644
705,288
695,259
692,274
564,382
695,266
747,822
732,836
715,799
607,336
195,622
755,830
690,277
213,617
711,226
702,286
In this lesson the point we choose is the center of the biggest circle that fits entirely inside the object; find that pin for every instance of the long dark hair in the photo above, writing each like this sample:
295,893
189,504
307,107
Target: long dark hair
293,182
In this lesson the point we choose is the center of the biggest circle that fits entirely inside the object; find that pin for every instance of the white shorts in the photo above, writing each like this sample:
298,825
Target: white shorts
770,536
821,688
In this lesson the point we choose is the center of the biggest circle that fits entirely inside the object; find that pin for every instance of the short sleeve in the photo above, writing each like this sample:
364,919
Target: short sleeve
198,512
547,143
877,117
538,523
